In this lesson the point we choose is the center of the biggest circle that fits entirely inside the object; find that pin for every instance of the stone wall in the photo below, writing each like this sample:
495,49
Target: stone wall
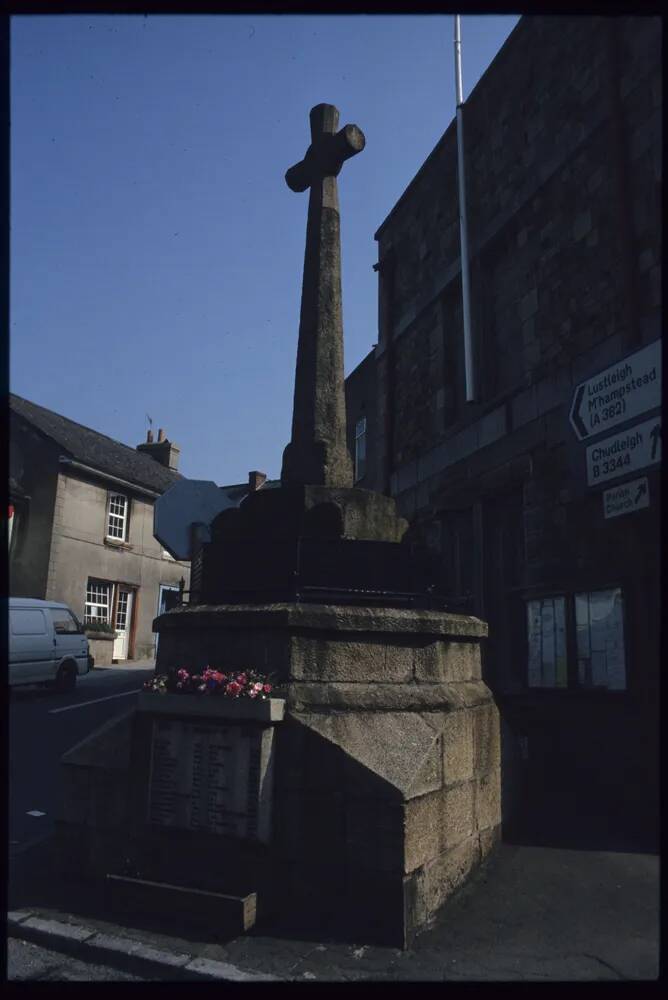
563,159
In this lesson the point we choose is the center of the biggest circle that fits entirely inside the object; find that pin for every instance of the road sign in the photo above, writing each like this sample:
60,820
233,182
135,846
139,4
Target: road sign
621,392
623,453
185,502
626,498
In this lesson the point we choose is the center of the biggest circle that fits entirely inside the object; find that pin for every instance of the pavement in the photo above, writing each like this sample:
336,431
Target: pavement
531,912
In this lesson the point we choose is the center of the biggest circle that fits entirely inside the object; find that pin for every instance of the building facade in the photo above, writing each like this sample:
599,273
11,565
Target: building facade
563,171
82,526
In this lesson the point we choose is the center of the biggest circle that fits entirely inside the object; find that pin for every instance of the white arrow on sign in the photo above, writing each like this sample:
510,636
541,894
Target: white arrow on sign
621,392
623,453
626,498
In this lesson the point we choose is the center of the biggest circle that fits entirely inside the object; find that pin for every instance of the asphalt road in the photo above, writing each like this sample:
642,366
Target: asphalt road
43,725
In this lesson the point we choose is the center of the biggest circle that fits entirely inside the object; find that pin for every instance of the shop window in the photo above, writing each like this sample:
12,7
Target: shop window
117,517
595,659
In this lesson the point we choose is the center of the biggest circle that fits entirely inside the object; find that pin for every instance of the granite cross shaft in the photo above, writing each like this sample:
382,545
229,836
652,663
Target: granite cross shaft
317,453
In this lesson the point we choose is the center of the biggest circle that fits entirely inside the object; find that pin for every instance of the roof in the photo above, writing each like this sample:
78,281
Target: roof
34,602
92,448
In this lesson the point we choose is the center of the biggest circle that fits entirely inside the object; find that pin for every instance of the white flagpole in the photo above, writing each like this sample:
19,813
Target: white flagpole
463,226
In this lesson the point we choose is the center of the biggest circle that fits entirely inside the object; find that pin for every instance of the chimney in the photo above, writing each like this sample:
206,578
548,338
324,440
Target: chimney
256,480
162,450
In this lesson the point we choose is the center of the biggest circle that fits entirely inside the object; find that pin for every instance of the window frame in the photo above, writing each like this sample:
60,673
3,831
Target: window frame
123,518
573,684
88,619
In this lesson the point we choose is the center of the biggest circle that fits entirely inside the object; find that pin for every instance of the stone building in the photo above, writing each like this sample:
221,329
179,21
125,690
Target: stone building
362,422
563,172
82,529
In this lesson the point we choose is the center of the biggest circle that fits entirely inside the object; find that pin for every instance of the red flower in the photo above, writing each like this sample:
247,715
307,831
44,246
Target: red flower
267,688
233,688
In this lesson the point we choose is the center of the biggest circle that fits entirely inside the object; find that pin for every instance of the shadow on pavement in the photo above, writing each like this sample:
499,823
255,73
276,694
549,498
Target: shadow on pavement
560,821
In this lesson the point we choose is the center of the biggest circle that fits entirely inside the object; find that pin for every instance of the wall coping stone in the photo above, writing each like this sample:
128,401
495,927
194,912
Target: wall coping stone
338,618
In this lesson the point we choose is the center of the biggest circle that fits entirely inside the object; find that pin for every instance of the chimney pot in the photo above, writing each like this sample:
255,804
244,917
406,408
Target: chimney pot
149,436
256,480
161,435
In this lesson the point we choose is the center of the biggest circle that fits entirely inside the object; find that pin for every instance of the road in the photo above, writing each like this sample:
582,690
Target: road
43,725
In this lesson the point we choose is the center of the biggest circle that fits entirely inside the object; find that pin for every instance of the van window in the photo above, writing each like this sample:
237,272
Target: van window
28,621
63,622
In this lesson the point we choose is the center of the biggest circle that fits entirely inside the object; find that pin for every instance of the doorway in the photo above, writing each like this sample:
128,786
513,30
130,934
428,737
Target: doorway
122,622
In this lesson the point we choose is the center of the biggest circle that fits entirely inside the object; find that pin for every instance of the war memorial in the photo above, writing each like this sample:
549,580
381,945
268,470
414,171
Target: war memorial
360,793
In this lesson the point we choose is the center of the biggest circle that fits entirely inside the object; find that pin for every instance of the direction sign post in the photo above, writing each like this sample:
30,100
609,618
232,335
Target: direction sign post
625,452
621,392
626,498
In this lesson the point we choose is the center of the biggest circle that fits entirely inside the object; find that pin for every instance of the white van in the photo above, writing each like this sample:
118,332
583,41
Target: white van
46,644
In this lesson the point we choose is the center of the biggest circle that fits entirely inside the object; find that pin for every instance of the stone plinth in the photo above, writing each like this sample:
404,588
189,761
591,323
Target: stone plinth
384,770
387,766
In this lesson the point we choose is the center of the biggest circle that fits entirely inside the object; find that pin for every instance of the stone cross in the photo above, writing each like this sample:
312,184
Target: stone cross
317,453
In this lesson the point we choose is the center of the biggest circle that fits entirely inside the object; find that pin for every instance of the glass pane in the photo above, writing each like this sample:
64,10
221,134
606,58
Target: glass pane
534,633
547,637
601,639
546,632
560,642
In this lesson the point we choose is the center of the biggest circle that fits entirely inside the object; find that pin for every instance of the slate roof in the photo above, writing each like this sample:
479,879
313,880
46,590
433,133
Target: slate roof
94,449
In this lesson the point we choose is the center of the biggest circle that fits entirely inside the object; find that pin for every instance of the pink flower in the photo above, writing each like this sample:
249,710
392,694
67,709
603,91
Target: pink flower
252,693
267,688
233,688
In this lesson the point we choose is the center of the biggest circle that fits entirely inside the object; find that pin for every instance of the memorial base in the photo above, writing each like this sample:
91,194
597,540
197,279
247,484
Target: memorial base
378,792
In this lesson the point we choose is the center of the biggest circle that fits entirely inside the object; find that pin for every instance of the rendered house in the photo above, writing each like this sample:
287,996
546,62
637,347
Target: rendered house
549,535
82,524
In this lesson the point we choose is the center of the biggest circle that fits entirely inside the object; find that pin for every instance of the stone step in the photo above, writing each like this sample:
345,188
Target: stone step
229,915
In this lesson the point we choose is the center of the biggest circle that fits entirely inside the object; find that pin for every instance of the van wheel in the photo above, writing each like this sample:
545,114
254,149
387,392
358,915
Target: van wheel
66,678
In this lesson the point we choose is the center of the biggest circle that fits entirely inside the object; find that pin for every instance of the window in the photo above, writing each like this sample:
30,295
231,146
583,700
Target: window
63,622
98,602
117,517
360,448
546,625
599,630
595,658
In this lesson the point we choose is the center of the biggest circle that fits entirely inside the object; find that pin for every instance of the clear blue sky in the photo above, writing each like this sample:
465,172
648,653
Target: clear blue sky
156,250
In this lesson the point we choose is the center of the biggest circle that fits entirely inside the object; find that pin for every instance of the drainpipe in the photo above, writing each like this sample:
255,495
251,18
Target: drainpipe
463,222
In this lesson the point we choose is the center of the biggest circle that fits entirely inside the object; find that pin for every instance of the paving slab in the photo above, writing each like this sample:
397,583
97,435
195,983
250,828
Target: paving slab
528,914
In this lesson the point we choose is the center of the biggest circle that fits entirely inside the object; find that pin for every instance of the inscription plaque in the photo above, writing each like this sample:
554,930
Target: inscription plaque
213,778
